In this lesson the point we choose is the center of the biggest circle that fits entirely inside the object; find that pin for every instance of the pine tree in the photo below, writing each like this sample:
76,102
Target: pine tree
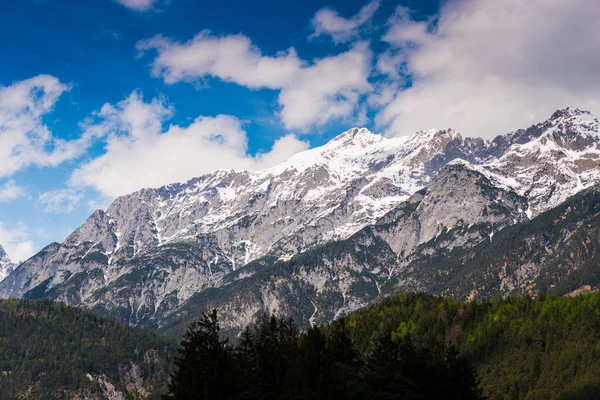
346,362
383,371
266,343
462,381
204,364
340,344
245,359
315,365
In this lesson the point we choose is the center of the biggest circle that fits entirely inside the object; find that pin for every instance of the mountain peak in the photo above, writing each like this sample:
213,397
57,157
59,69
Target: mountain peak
356,136
155,250
572,128
568,112
6,265
431,134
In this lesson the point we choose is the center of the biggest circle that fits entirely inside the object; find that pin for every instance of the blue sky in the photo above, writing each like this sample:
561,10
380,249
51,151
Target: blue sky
100,98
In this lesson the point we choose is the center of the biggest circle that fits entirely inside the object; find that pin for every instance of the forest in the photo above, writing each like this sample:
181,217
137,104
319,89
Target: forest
52,351
521,347
411,346
275,361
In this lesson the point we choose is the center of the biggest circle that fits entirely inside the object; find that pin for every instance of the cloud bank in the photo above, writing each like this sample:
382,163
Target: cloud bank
488,67
140,153
310,93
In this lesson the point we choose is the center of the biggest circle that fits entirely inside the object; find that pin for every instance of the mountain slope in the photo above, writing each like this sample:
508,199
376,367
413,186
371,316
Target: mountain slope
52,351
520,347
154,252
557,251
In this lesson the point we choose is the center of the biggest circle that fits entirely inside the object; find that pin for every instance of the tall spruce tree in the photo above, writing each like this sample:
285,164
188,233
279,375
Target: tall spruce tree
346,364
245,359
204,365
384,373
315,365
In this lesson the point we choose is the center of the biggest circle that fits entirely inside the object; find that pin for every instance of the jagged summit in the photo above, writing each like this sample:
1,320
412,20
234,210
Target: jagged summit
355,136
429,134
569,112
573,120
3,254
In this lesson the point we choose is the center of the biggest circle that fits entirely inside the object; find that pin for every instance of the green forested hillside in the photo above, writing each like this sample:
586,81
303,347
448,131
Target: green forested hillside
521,348
413,346
51,351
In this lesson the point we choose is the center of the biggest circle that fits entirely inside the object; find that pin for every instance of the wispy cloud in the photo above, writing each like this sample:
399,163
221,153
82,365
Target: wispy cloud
139,5
24,137
16,242
60,200
11,191
328,22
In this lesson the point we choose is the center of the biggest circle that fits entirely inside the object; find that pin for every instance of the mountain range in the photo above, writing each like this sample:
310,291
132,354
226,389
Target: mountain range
336,227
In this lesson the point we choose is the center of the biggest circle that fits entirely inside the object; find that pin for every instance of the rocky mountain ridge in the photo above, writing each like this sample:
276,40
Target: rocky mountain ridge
151,252
6,265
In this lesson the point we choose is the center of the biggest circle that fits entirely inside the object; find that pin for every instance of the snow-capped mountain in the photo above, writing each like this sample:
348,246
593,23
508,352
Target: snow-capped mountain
6,265
549,162
153,250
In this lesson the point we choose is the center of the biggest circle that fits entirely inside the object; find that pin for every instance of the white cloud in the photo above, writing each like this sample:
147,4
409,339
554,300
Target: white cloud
328,22
329,89
140,153
283,148
310,93
231,58
60,200
488,67
16,243
138,5
24,138
11,191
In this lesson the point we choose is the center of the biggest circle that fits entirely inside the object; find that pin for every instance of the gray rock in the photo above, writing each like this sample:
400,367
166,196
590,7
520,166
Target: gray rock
156,254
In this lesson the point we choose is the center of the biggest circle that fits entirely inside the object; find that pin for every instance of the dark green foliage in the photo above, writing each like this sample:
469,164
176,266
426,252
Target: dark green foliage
47,349
276,361
412,346
521,347
205,364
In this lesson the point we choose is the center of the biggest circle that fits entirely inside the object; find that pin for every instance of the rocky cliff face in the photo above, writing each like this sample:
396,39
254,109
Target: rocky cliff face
557,251
6,265
153,253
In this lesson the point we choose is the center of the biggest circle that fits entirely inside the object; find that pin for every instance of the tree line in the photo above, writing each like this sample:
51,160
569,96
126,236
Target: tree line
274,360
